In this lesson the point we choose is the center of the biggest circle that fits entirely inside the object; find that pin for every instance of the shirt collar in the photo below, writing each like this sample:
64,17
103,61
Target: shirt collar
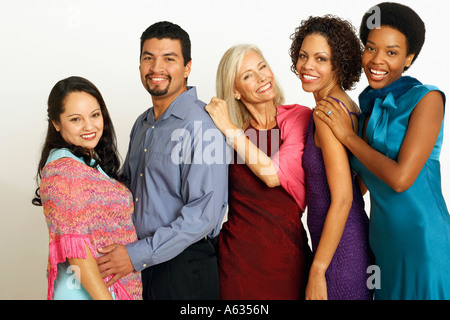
178,108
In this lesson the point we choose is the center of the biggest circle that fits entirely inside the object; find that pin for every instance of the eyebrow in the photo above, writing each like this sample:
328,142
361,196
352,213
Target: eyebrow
263,61
391,46
168,54
78,114
320,52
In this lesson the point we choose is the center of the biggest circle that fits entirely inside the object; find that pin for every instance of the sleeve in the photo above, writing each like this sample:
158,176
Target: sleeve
204,192
125,171
64,212
292,121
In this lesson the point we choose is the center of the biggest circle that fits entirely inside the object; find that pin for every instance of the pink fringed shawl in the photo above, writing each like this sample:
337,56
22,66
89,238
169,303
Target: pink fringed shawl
83,207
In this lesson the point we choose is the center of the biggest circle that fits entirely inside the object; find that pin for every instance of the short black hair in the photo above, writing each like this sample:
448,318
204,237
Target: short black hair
401,18
168,30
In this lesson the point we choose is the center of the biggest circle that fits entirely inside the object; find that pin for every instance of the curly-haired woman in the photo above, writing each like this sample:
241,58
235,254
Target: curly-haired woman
326,55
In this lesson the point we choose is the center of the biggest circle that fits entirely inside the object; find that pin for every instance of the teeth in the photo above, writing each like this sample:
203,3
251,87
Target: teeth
88,136
158,79
267,86
380,73
307,77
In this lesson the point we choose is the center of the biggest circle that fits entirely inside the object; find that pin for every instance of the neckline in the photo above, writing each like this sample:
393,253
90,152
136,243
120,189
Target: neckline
252,127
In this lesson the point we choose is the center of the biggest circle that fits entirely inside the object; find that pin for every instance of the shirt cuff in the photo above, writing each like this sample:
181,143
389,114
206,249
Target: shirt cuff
139,254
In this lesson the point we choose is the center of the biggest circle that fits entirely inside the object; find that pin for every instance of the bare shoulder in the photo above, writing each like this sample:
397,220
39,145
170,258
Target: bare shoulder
343,97
351,106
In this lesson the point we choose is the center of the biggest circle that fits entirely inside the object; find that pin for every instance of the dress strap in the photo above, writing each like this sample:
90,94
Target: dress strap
349,112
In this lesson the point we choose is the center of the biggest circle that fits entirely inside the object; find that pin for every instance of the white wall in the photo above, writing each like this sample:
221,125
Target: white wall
45,41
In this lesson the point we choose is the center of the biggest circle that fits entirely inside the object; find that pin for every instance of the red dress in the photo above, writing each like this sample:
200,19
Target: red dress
263,247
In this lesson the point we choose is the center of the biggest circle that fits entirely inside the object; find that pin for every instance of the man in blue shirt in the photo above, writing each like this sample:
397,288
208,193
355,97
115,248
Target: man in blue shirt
177,171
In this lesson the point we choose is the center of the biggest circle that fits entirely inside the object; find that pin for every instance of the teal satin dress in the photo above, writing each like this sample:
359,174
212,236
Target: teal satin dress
409,232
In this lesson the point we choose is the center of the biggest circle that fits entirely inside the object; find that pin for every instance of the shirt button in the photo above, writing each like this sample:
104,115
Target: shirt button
144,265
153,127
140,174
137,199
145,150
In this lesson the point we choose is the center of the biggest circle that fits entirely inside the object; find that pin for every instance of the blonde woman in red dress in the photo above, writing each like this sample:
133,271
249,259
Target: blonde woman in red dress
263,247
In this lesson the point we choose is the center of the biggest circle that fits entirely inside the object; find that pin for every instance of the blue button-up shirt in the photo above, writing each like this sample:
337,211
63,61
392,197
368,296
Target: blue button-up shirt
178,174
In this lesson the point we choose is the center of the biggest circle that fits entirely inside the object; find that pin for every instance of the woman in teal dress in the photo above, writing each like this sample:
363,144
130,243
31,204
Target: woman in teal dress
396,154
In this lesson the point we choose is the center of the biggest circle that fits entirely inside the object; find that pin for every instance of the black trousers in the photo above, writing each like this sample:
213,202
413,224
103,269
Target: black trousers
192,275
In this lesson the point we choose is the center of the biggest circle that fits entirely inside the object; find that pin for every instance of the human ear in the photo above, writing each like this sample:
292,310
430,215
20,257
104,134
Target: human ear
187,69
409,60
56,126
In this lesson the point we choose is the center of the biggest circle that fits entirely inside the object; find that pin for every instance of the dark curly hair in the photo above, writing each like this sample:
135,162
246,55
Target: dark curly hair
346,48
401,18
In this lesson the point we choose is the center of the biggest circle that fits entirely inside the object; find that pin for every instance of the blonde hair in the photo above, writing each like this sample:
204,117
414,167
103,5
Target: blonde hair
226,74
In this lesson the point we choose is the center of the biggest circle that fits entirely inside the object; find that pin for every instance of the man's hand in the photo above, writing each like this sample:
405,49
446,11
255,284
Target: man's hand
115,262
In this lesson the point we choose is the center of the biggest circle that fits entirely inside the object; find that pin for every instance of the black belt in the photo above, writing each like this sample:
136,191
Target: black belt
212,241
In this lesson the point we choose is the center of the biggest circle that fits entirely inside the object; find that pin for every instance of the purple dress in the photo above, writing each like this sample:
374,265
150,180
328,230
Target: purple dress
346,275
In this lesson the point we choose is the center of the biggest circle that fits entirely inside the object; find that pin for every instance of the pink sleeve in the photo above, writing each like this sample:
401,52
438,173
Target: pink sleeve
292,121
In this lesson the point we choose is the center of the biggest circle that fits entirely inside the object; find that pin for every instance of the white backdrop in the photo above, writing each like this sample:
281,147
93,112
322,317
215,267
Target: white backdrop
48,40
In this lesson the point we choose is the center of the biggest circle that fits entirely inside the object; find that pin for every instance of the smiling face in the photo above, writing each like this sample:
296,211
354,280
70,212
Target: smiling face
314,65
385,56
81,123
254,82
162,68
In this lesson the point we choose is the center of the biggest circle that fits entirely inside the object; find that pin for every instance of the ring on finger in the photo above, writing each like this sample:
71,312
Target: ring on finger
329,112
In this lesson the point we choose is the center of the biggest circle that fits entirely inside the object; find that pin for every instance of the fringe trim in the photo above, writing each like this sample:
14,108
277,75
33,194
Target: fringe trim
118,289
73,246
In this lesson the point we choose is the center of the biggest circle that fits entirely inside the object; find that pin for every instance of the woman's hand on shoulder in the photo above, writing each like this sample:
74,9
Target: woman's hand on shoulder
218,111
336,117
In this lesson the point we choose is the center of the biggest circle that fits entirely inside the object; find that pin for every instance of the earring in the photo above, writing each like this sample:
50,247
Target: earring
237,96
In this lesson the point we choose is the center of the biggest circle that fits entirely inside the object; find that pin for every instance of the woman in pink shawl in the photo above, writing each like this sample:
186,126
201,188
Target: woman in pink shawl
85,206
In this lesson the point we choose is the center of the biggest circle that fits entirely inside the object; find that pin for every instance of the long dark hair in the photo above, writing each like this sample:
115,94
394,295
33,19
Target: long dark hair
105,155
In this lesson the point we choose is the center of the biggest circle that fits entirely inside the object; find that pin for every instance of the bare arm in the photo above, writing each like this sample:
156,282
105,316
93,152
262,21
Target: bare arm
423,130
258,162
90,277
340,183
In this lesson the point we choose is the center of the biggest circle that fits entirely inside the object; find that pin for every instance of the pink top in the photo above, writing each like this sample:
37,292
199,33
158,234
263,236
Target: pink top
292,121
83,207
